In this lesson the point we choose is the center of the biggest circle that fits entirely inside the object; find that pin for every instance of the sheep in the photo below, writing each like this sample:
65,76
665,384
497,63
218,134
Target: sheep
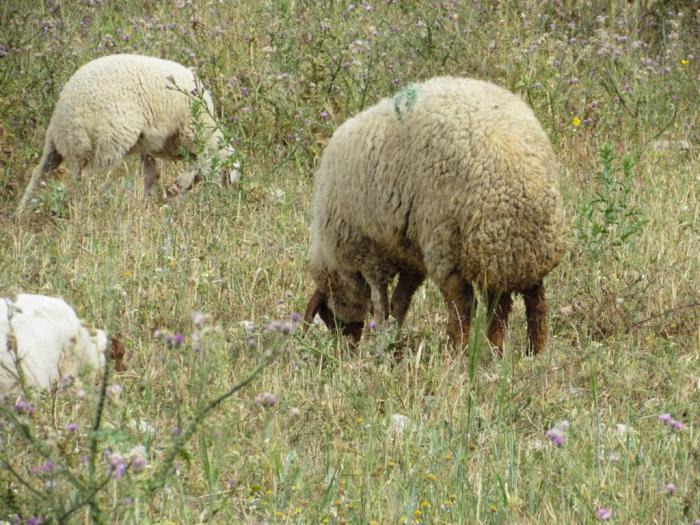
120,105
452,178
42,339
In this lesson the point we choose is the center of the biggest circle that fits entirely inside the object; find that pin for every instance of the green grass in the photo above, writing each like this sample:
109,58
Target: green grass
624,303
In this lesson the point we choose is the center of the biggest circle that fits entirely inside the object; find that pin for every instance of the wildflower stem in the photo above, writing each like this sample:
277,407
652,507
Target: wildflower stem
82,500
19,478
38,445
161,474
94,507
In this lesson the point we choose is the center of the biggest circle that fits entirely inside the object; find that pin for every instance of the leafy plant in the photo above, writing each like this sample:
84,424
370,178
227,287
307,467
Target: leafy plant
608,219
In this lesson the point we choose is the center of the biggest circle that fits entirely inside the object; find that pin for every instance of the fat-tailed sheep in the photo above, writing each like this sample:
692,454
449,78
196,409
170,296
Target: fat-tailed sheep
452,178
42,339
120,105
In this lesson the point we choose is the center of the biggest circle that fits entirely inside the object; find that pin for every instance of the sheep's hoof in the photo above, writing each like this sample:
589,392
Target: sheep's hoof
173,190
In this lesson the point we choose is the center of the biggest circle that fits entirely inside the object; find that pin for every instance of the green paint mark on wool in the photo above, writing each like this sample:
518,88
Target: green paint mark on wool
404,100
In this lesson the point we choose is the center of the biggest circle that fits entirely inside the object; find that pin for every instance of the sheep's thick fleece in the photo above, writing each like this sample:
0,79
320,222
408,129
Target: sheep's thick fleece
120,104
49,339
452,174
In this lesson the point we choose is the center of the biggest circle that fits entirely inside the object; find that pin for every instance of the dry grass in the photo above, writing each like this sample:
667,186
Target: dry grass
624,310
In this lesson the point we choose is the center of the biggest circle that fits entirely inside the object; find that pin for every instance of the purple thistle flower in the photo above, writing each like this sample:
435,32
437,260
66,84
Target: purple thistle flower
72,427
666,419
174,340
324,114
295,317
603,514
372,325
44,468
670,488
266,399
558,440
677,425
117,466
138,464
556,436
24,407
34,520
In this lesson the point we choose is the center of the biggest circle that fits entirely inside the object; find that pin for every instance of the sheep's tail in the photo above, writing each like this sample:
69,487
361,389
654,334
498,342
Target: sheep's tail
50,160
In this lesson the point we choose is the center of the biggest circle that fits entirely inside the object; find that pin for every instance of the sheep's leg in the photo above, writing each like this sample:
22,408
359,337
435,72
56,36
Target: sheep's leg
380,302
459,296
409,282
536,313
75,168
50,160
186,178
150,173
499,308
378,283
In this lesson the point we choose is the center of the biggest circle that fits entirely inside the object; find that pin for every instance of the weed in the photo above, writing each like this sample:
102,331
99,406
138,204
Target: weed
571,436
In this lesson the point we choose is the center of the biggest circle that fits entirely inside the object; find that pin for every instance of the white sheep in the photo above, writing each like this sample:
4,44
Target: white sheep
121,105
42,339
453,178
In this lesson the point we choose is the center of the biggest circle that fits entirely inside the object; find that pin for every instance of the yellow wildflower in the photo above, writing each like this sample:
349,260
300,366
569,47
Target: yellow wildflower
684,62
575,122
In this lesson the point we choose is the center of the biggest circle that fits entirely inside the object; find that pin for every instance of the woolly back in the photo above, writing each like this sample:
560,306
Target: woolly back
445,166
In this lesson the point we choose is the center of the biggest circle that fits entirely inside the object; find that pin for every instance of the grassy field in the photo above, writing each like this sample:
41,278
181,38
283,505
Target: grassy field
325,433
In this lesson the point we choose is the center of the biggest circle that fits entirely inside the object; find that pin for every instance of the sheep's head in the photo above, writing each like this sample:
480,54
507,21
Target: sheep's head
223,158
117,350
231,165
344,307
101,340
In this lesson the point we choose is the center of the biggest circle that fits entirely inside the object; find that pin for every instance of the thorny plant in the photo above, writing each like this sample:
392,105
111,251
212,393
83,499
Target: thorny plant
60,487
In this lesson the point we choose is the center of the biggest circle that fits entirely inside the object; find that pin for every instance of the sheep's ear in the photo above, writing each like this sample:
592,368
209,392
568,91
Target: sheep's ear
318,304
117,350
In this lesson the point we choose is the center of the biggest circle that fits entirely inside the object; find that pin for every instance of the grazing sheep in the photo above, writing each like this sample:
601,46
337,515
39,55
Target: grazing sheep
120,105
454,179
49,341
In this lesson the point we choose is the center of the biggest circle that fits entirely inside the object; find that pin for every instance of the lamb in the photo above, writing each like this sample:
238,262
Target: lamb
452,178
48,341
121,105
